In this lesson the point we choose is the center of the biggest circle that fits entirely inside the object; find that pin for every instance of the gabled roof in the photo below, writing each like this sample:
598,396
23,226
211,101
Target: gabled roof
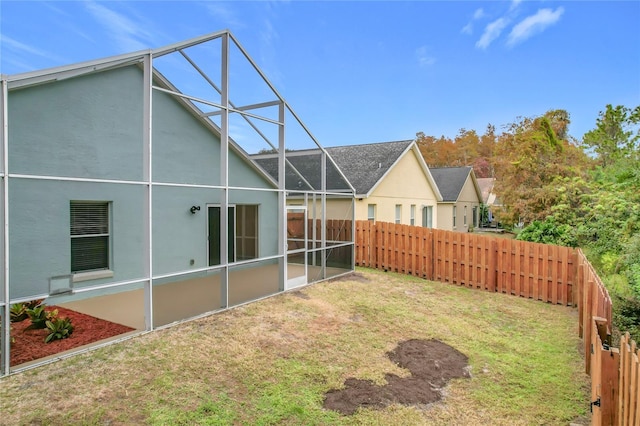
303,171
488,196
451,180
486,187
364,166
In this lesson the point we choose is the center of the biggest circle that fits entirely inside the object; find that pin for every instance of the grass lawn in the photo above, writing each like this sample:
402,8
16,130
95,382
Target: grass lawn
271,362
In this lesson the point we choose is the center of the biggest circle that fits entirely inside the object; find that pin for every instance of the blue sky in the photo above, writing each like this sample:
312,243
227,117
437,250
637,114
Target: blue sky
359,71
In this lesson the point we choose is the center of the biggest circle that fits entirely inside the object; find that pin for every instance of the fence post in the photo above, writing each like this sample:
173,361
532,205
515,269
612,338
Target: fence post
588,304
604,374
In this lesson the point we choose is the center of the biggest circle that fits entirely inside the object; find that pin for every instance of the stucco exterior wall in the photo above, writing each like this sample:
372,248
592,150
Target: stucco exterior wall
406,184
468,198
91,127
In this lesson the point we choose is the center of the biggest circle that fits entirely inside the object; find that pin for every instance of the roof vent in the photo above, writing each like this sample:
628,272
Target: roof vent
379,165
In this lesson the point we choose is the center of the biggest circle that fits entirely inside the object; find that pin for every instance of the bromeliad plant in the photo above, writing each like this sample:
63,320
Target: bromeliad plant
20,311
58,328
39,317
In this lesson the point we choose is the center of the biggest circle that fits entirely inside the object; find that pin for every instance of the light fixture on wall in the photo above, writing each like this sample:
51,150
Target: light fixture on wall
194,209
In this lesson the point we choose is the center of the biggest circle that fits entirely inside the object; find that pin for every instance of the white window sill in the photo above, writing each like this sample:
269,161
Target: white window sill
91,275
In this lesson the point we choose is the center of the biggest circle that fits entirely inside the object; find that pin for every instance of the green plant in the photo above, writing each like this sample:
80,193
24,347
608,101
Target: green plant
548,232
59,328
39,317
19,311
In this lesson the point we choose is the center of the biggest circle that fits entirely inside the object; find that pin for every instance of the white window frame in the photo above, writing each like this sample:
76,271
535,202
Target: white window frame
398,214
465,215
412,219
242,238
371,212
98,273
455,212
427,216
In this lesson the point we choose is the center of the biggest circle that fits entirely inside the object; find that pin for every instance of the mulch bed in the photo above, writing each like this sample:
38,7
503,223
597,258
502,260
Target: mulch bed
29,344
431,363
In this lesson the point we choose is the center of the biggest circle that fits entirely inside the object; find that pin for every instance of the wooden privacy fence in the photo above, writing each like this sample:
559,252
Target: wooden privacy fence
537,271
553,274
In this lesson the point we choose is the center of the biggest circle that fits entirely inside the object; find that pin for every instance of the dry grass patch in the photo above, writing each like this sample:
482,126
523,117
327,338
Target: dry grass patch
272,361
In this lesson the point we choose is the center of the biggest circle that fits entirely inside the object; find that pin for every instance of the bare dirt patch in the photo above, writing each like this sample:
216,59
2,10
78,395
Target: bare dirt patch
431,364
29,345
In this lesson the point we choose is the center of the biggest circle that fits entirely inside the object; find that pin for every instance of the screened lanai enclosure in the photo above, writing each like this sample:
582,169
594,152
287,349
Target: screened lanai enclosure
130,191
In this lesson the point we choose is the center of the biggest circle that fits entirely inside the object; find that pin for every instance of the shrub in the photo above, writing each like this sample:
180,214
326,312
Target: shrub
549,232
626,315
58,328
19,311
39,317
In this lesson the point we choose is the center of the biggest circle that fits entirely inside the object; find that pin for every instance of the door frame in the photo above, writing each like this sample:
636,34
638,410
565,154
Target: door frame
231,238
297,280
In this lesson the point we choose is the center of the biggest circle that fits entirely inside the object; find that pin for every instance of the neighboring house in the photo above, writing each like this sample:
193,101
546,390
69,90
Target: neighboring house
125,195
490,201
391,180
461,198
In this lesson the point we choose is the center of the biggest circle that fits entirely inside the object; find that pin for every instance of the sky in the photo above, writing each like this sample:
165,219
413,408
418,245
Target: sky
360,72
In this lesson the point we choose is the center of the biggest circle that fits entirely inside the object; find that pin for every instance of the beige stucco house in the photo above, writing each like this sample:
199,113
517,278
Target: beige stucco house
391,180
461,198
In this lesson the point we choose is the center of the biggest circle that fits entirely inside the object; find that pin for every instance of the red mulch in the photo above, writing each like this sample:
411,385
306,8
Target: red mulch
30,345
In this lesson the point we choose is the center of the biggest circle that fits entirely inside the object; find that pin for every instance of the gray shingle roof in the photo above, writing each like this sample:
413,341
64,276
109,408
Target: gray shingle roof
364,165
307,163
450,180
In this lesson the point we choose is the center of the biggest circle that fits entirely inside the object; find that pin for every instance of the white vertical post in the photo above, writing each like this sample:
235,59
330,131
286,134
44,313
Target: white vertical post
323,213
5,337
282,199
148,177
353,232
224,171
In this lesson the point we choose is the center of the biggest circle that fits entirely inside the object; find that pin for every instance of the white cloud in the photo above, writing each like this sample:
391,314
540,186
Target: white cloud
467,29
478,14
225,15
534,24
19,47
514,5
129,35
491,32
424,58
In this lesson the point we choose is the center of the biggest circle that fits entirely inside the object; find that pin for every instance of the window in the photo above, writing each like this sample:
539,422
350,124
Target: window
371,212
242,233
398,213
89,236
412,220
246,232
465,215
454,216
427,216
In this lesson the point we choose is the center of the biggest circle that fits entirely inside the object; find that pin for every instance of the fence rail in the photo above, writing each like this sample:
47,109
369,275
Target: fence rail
538,271
552,274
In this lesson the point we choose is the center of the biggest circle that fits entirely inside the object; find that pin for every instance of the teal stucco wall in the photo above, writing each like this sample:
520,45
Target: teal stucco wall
91,127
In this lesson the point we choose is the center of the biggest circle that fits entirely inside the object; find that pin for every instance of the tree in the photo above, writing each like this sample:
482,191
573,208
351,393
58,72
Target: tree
466,149
533,157
616,134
